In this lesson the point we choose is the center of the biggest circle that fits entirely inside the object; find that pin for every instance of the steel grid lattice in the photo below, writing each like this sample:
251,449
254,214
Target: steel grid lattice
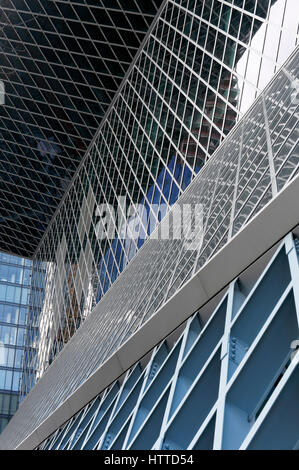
232,187
61,64
198,71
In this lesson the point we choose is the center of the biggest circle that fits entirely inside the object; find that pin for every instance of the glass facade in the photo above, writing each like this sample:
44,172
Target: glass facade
200,68
15,278
205,119
61,64
231,188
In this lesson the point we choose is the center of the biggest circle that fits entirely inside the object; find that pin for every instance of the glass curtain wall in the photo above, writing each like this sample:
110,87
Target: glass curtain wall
15,277
200,68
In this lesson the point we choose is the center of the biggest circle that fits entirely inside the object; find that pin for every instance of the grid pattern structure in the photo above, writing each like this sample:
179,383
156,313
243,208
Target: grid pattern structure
15,276
232,187
200,68
61,63
229,383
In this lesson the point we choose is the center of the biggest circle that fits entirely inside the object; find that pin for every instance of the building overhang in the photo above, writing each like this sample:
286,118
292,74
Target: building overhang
60,66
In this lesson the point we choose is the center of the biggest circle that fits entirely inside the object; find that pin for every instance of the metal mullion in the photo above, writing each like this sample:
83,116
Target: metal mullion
149,170
108,44
175,112
7,184
106,249
248,49
46,140
145,139
62,279
253,210
198,76
56,321
192,104
39,279
3,202
105,145
206,52
57,93
208,23
166,282
93,261
10,240
36,359
57,278
66,35
16,231
116,28
160,284
31,180
126,137
31,331
242,10
33,113
83,53
86,232
50,47
190,271
261,54
61,81
141,222
214,228
132,172
75,246
49,128
31,159
219,96
212,199
109,247
77,21
150,142
29,125
69,297
188,91
6,201
40,356
249,195
164,133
